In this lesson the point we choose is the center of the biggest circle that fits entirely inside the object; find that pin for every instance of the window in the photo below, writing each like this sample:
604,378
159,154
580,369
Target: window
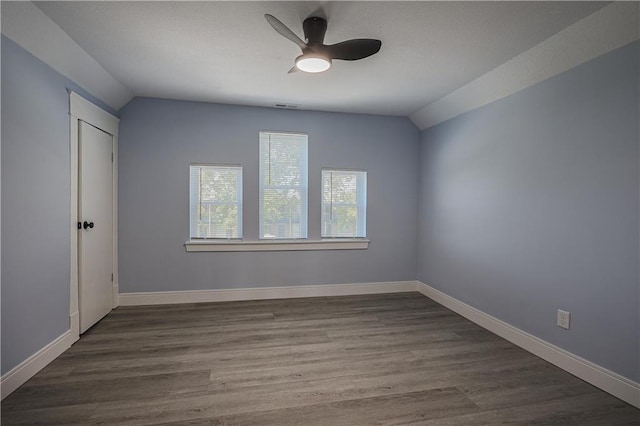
283,185
215,201
344,203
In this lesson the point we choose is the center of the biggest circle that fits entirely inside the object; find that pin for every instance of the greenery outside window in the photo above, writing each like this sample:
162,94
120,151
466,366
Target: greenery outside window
283,185
215,201
344,203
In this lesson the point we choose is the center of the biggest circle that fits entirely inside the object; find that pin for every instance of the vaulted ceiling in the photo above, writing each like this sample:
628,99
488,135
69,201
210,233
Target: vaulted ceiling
226,52
438,59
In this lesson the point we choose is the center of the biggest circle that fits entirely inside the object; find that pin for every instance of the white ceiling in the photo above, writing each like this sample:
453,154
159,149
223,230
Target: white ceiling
226,52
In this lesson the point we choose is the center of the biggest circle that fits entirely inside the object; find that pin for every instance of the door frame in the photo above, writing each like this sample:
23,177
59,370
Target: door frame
81,109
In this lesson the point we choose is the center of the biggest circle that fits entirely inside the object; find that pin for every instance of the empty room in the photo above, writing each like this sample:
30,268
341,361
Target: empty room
307,213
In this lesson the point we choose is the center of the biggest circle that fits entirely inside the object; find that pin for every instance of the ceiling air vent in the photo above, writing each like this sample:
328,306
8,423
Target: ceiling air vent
285,106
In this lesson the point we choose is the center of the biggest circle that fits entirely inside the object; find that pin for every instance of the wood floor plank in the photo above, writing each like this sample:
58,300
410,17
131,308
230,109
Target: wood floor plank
219,401
78,414
387,359
138,387
398,409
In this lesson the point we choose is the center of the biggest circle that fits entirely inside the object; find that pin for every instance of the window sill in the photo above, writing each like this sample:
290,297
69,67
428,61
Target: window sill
277,245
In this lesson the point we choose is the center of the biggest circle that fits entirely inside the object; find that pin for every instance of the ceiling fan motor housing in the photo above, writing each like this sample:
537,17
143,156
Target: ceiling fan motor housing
314,30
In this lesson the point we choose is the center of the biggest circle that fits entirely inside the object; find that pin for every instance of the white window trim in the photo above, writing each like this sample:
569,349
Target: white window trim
278,245
240,203
363,202
303,187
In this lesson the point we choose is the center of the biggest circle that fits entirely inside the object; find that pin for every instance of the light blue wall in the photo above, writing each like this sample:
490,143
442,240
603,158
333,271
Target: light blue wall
530,204
158,140
35,203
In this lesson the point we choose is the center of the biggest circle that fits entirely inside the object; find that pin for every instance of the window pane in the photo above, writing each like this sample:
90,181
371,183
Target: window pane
344,195
283,185
216,201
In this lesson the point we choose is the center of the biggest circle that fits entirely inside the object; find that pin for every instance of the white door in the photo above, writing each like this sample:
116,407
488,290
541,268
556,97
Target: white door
95,216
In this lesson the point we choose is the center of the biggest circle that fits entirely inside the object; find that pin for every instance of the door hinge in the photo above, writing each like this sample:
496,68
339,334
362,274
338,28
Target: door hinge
112,157
111,277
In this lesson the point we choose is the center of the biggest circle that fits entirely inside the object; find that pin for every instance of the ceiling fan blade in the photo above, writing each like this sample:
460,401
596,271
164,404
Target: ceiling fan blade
355,49
284,31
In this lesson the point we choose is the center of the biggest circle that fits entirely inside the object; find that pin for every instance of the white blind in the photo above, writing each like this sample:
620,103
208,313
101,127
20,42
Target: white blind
344,204
283,185
215,201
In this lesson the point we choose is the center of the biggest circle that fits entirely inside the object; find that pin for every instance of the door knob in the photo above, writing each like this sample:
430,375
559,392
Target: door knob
86,224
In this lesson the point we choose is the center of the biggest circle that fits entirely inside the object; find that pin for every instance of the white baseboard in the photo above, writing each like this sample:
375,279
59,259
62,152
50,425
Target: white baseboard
13,379
615,384
228,295
74,324
115,294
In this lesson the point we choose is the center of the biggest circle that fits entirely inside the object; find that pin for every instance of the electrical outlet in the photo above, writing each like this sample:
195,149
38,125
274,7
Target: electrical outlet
564,319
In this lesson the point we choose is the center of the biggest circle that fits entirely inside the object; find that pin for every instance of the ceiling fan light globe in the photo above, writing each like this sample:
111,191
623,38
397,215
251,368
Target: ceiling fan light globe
312,63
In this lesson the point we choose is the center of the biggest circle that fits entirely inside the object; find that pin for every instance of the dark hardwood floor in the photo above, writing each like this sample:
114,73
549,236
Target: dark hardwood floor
390,359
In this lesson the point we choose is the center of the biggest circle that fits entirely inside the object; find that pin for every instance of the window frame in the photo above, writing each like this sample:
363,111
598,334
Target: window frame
361,205
303,188
239,203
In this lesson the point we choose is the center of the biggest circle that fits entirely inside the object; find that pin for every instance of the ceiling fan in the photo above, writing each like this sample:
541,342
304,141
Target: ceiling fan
316,56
